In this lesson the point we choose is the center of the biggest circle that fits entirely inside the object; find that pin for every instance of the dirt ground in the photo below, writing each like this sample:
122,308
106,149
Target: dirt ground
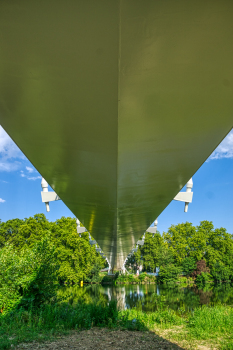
101,339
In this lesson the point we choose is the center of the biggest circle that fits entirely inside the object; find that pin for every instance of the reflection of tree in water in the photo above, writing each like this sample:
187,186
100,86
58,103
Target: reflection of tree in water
177,298
204,295
143,297
221,294
87,295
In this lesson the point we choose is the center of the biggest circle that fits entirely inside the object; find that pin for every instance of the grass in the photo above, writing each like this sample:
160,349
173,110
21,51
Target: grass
205,324
215,321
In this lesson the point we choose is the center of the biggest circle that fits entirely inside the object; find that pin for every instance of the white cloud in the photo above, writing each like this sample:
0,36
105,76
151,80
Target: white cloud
29,169
8,148
225,149
34,178
27,176
9,152
11,157
2,200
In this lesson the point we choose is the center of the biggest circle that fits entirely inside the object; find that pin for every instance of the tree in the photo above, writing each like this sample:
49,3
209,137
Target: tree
150,251
221,273
75,256
200,268
188,265
169,273
178,239
200,242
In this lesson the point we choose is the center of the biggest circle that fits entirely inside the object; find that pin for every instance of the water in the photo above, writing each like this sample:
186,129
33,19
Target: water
147,297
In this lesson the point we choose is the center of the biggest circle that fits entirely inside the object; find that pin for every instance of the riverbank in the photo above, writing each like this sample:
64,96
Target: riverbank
128,278
209,327
142,278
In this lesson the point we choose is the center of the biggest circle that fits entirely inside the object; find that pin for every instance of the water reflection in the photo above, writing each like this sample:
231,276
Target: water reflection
148,297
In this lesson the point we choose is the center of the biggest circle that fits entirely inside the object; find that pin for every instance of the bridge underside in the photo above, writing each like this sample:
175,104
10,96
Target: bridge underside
116,103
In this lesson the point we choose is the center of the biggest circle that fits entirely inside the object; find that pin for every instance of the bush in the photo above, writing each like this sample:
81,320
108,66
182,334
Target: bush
142,276
169,273
200,267
203,279
94,276
107,279
130,278
29,277
188,265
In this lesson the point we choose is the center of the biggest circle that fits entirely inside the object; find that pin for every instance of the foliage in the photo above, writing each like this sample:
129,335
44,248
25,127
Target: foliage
142,276
107,279
75,256
54,319
175,252
221,273
134,261
127,278
39,324
94,274
202,242
200,268
188,265
169,273
131,278
203,278
195,249
28,277
150,251
184,281
210,320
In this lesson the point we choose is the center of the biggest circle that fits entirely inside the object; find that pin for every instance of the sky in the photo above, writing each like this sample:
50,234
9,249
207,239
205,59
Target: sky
20,188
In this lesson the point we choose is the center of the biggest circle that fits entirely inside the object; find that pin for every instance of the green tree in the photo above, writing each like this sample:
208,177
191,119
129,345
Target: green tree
169,273
75,256
178,239
150,251
221,273
188,265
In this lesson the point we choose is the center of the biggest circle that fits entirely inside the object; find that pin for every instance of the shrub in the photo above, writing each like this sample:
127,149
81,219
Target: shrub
188,265
142,276
131,278
200,267
203,279
107,279
29,277
94,276
169,273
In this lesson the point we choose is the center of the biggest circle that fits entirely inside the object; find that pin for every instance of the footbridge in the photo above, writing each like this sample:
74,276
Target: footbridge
116,103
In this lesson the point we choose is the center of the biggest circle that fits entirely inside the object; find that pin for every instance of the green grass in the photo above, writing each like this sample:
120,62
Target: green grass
52,320
215,321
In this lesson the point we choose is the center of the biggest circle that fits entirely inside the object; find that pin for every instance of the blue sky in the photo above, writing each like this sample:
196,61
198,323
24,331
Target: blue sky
212,200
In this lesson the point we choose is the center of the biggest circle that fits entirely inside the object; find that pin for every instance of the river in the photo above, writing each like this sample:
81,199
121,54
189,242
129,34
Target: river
147,297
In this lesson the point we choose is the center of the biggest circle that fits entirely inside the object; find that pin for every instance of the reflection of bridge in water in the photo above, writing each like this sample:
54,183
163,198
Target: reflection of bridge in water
129,296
